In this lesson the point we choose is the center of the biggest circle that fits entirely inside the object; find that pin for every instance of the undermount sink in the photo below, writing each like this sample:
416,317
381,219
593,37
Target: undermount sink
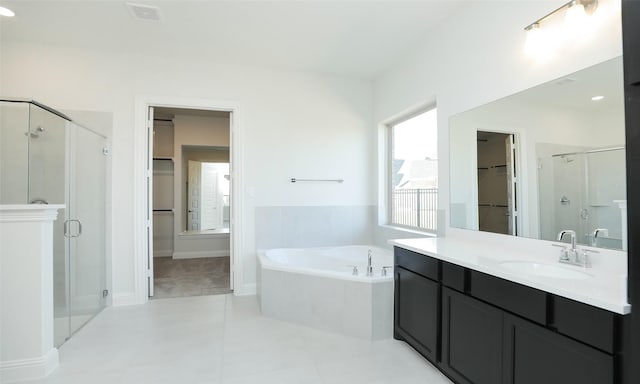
544,270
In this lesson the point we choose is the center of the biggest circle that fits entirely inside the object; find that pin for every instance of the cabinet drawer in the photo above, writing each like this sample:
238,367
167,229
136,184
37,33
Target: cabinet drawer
418,263
453,276
524,301
593,326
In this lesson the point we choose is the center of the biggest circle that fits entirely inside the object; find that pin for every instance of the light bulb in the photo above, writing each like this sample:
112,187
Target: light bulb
575,18
534,44
6,12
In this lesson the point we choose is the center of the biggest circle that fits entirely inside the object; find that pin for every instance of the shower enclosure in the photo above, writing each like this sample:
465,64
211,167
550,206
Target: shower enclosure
582,191
45,158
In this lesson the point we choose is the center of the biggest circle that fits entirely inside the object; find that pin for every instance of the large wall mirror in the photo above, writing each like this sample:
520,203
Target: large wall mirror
206,188
547,159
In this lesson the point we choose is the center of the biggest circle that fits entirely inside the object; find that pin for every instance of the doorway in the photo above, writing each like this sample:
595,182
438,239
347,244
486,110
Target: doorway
190,202
497,183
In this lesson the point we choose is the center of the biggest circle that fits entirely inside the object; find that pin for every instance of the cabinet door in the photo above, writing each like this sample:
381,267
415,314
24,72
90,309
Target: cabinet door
536,355
472,340
417,312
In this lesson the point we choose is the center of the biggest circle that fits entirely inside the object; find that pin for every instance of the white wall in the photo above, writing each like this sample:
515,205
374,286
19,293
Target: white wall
476,57
294,124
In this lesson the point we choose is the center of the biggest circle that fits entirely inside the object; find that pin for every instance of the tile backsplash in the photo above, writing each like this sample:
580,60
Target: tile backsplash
313,226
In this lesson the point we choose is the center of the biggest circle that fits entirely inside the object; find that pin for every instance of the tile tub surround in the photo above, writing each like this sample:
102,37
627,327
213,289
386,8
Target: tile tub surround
606,288
224,339
313,226
331,300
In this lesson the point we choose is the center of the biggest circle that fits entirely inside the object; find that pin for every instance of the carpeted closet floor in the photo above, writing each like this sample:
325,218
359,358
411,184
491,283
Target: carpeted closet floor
190,277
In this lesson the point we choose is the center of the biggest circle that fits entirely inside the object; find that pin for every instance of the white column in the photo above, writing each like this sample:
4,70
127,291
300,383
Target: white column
26,292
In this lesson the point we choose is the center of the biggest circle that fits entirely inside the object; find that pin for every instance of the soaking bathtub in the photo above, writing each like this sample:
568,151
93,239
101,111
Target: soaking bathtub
317,287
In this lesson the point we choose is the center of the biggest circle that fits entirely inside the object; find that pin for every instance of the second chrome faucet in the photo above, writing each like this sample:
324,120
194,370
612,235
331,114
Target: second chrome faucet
573,256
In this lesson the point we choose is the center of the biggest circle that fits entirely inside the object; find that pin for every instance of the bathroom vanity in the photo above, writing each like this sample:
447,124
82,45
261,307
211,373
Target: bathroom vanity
483,316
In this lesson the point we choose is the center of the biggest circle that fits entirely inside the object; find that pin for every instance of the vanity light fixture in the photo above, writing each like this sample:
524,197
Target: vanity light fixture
6,12
574,9
576,13
597,98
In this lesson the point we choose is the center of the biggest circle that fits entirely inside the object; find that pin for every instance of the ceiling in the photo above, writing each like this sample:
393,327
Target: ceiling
576,90
357,38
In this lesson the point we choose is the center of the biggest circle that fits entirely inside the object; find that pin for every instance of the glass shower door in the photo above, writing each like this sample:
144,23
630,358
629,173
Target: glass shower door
14,152
47,159
86,226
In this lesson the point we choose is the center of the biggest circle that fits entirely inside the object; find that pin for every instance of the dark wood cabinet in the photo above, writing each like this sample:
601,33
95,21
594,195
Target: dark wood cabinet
523,301
417,312
472,339
481,329
537,355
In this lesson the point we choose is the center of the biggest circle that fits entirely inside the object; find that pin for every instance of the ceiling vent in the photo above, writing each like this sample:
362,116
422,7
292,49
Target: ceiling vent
565,81
144,12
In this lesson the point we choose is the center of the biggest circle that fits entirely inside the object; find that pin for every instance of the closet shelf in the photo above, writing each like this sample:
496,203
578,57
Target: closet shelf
494,166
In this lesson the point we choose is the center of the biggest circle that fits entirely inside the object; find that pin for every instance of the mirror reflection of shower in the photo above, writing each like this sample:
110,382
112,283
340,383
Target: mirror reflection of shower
582,190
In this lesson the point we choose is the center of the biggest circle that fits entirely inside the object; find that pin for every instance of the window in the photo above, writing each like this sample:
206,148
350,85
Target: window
413,178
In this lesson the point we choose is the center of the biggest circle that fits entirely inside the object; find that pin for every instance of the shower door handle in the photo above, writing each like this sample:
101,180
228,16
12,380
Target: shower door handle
79,227
67,232
66,228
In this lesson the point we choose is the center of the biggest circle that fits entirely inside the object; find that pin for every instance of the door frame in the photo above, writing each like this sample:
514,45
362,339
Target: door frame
141,249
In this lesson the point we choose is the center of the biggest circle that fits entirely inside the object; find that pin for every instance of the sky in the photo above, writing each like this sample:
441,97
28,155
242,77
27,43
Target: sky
417,138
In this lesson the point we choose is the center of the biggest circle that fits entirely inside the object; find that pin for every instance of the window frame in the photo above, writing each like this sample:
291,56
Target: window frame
389,137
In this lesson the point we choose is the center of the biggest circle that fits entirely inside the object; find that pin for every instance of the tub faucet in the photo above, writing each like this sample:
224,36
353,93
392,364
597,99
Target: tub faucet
369,267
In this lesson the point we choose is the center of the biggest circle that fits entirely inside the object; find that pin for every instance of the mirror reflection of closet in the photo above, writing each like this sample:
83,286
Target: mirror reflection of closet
497,203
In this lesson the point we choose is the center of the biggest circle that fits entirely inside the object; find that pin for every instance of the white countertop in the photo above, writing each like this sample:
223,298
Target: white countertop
606,288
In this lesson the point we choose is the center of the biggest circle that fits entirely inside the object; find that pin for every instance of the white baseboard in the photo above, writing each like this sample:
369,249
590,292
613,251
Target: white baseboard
245,290
201,254
163,253
29,369
126,298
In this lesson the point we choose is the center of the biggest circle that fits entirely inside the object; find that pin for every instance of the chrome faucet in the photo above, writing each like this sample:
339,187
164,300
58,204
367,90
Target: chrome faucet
596,234
369,267
573,238
573,256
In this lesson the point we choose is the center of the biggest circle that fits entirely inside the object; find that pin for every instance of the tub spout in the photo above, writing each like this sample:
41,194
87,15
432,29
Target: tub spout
369,267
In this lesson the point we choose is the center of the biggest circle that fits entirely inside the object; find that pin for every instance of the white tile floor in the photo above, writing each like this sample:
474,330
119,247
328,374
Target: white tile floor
224,339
